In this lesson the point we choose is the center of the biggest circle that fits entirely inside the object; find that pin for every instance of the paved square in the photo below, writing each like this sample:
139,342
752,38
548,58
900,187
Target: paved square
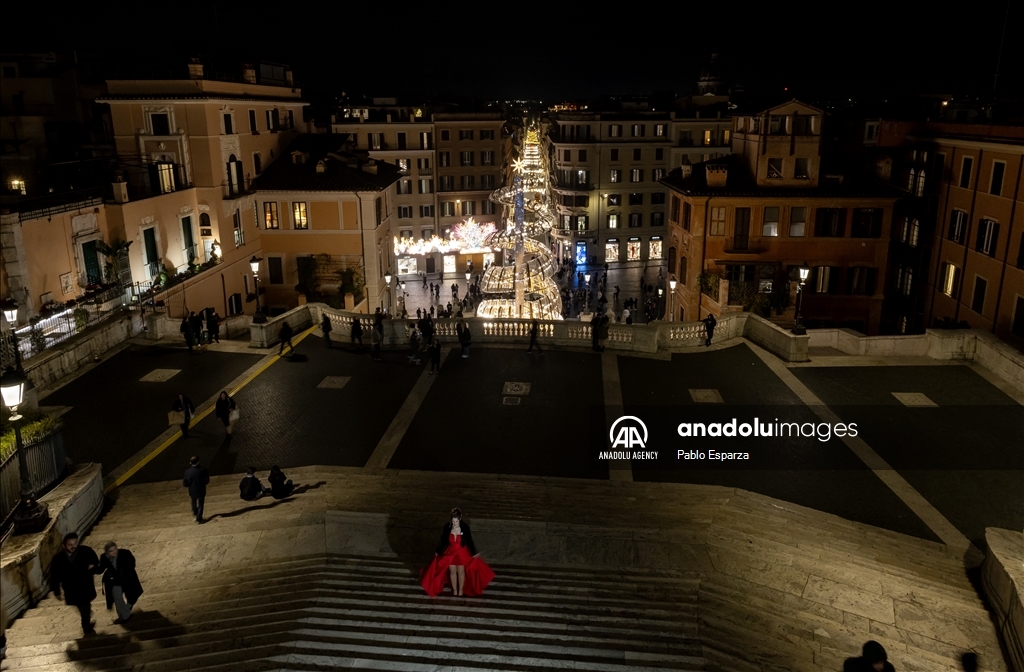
706,397
516,388
159,375
334,382
913,399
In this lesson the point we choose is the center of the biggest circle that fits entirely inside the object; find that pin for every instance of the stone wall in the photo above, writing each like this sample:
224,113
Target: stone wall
74,506
1002,577
52,365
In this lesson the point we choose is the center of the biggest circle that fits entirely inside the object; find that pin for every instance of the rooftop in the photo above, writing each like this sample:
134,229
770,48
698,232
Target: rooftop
342,171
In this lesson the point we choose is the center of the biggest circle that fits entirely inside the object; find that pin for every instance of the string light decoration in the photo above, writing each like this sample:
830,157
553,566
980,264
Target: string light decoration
524,288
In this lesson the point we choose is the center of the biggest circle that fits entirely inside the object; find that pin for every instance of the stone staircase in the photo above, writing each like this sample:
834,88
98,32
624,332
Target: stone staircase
590,575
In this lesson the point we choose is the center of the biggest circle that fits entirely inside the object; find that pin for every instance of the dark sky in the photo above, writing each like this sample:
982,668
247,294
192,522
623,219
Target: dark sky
578,50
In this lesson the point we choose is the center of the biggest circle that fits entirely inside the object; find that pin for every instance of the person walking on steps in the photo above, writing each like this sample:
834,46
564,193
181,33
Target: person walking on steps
534,332
456,562
186,332
196,479
873,658
357,333
197,327
183,406
226,411
325,328
709,327
213,326
121,583
465,337
435,357
286,338
72,569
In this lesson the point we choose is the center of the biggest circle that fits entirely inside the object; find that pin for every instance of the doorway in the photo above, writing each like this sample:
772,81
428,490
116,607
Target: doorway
91,261
430,264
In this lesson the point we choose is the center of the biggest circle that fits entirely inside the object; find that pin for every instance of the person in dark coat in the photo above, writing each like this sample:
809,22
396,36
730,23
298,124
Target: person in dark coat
465,337
73,569
121,583
196,323
250,489
709,326
873,658
225,404
196,480
435,357
357,332
534,332
187,332
280,485
325,327
213,326
183,404
286,338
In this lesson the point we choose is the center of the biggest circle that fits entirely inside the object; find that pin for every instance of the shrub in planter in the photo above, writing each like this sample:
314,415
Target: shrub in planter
35,425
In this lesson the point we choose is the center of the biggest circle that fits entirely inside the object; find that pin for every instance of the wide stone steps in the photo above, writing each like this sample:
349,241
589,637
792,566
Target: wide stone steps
370,613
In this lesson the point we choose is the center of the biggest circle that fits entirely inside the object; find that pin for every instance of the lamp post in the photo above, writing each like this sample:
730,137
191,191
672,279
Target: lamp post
31,515
387,283
672,282
798,327
11,315
254,264
661,299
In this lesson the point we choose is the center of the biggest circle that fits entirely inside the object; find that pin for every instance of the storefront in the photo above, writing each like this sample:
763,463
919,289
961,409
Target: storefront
633,249
581,252
463,250
654,249
611,250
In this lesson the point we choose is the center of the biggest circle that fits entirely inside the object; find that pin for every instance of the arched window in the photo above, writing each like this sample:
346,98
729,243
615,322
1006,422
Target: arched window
915,231
204,220
682,271
920,184
671,258
911,179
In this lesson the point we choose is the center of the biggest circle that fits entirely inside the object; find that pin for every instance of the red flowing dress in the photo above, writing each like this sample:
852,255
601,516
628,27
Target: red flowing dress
434,577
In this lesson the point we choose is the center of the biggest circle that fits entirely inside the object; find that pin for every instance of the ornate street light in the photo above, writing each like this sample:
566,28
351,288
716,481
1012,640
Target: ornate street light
798,327
672,282
11,315
31,516
254,264
387,279
469,274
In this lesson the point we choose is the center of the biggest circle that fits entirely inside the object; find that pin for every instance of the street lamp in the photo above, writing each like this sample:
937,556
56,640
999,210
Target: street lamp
672,282
798,327
254,264
11,315
387,282
31,515
469,274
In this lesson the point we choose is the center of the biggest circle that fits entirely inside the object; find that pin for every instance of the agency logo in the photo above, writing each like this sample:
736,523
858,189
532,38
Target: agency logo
628,431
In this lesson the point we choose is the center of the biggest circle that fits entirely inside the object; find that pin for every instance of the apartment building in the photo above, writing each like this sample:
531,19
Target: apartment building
741,226
327,225
449,162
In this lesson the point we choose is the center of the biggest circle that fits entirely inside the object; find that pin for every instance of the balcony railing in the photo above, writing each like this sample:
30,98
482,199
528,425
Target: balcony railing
744,246
47,463
574,186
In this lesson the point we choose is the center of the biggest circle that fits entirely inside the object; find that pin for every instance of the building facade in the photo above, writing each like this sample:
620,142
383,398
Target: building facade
741,227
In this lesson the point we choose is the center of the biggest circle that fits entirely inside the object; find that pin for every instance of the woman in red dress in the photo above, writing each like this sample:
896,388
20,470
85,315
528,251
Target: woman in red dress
456,562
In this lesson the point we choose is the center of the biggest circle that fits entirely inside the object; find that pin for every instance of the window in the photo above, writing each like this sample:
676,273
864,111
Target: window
915,232
636,175
426,140
616,175
582,223
566,221
635,220
776,125
275,269
487,135
770,225
978,300
676,209
801,170
466,158
252,122
375,141
446,135
725,136
658,198
998,170
797,222
160,123
950,278
613,221
965,172
659,131
657,174
405,187
860,280
487,158
774,169
638,154
583,177
236,221
615,131
801,125
988,236
165,176
427,234
823,279
611,250
633,249
405,233
487,181
636,199
426,211
871,130
581,201
582,154
405,212
378,212
427,186
1018,318
614,199
488,207
468,208
919,187
717,221
709,137
422,165
403,165
1020,253
465,134
957,224
831,223
638,130
299,218
270,220
401,141
468,182
654,248
659,154
444,159
687,215
447,208
657,218
867,223
447,182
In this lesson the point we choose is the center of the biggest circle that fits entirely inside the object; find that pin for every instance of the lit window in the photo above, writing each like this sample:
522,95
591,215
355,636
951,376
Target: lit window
797,222
613,221
611,250
659,130
950,275
915,231
638,130
405,187
908,279
636,175
654,249
616,175
299,217
403,165
582,223
822,278
770,226
270,220
633,249
18,185
165,173
447,208
708,137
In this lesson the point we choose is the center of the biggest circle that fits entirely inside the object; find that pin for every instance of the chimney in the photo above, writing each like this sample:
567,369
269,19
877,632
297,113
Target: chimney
248,73
370,167
389,117
195,69
321,166
686,168
289,77
121,188
717,174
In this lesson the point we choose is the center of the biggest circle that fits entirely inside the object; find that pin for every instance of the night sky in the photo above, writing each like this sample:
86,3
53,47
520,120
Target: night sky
579,51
